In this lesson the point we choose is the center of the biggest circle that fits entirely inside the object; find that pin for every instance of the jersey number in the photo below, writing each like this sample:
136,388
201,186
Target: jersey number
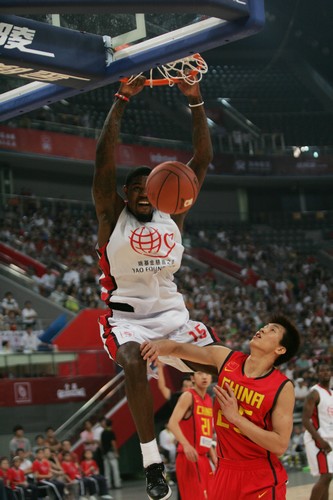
200,333
205,426
223,423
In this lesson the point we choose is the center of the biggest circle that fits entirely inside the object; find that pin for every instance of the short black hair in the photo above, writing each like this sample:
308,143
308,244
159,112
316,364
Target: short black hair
137,172
17,428
322,363
291,339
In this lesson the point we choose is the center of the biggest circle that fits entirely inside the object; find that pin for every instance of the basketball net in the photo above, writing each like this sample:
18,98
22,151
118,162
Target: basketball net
189,69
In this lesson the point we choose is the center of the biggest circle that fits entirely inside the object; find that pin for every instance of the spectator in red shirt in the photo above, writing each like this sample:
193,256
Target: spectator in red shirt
18,481
66,446
4,466
41,467
73,477
97,482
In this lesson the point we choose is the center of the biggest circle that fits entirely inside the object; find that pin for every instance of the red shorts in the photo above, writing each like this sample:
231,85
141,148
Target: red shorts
249,480
193,478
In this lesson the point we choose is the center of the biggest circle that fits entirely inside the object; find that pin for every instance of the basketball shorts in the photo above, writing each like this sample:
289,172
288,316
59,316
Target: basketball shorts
319,462
115,333
249,480
193,478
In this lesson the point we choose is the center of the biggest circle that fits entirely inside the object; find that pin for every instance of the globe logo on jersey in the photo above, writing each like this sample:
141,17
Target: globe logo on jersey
149,241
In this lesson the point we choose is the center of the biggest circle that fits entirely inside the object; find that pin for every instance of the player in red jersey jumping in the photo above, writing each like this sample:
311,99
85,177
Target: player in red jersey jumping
253,409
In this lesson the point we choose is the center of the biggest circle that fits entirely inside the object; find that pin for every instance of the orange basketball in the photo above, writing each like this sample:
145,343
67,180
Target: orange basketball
172,187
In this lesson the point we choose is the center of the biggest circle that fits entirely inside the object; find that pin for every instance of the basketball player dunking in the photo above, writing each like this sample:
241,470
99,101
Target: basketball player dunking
253,409
140,249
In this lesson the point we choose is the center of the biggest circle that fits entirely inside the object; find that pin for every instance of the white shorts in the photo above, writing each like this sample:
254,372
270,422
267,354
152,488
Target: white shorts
319,462
115,333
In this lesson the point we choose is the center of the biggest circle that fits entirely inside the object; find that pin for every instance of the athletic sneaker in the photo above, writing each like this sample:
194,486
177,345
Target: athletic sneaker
157,487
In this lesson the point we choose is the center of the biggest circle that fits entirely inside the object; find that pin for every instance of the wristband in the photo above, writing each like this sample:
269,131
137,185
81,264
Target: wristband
122,97
196,105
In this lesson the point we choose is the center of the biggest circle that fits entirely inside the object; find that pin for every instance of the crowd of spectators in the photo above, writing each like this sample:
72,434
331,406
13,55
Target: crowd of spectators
19,327
64,243
63,238
49,467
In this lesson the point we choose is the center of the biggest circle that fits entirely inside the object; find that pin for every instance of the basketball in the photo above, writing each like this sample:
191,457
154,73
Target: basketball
172,187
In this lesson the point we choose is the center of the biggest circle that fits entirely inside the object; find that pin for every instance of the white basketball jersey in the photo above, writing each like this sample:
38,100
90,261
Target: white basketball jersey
323,415
138,264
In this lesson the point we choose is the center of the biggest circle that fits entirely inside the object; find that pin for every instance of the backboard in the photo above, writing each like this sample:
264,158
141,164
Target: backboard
67,47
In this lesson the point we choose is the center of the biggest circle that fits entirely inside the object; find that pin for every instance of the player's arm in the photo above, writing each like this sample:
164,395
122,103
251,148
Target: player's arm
201,140
212,455
202,144
161,383
311,402
208,355
108,203
182,408
277,439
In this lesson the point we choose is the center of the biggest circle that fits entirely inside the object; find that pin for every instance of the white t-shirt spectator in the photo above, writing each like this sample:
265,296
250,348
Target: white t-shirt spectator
71,277
30,341
48,281
29,315
8,303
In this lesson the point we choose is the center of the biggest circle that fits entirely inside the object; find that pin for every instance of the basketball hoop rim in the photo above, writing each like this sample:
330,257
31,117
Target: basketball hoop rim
157,82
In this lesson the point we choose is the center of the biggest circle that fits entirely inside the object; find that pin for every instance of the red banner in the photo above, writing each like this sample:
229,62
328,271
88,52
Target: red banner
56,144
43,391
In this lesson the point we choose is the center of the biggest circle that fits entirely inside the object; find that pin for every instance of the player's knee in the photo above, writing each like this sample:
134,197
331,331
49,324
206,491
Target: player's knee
129,357
326,478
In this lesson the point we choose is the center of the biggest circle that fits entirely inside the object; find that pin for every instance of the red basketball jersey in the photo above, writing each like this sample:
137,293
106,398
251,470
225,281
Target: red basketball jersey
256,398
198,428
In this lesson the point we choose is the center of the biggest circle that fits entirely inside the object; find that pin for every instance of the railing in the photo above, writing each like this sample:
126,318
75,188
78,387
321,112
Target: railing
110,395
266,143
46,363
34,364
24,203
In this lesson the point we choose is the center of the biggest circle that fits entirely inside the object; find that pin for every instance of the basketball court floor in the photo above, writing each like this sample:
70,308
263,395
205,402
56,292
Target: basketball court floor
299,488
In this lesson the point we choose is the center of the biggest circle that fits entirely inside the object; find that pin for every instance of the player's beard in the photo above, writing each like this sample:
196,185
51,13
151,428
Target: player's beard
141,217
144,217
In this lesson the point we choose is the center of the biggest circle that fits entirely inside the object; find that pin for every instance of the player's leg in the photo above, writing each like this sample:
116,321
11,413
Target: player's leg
115,470
123,346
321,488
138,391
321,464
140,401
